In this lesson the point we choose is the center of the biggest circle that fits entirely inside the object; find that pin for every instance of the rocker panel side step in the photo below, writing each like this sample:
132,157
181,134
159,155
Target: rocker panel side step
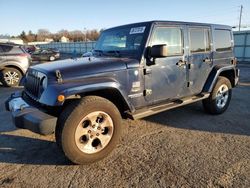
167,106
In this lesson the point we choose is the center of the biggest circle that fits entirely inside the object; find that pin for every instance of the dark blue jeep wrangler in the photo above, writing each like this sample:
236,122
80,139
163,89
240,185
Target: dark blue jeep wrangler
134,71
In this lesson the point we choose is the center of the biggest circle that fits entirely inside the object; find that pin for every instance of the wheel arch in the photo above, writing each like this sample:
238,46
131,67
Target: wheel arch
110,93
230,75
228,72
15,67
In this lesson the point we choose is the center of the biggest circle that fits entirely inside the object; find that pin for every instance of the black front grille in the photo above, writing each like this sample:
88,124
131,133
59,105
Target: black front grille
33,84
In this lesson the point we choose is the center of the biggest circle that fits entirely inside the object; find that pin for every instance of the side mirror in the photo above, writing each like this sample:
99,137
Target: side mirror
158,51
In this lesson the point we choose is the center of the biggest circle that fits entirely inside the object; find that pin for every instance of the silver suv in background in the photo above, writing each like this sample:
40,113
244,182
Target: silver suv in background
14,62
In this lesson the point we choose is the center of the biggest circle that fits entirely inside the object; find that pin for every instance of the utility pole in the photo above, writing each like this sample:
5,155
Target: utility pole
241,7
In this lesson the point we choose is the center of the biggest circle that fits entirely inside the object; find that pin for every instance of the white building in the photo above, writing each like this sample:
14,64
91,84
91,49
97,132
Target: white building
64,39
49,40
11,40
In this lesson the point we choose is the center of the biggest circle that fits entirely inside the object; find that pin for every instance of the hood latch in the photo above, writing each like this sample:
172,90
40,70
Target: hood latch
59,76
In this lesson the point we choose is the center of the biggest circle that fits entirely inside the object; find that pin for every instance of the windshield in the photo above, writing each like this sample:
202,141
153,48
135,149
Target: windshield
125,41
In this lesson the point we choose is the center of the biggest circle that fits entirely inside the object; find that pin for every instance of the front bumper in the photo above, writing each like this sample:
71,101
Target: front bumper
28,117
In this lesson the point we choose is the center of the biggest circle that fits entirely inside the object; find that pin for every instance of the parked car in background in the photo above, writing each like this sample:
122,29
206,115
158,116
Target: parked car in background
14,62
31,48
87,54
46,55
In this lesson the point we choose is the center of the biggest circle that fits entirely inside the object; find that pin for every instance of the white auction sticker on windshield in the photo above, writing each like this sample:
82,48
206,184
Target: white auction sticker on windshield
136,30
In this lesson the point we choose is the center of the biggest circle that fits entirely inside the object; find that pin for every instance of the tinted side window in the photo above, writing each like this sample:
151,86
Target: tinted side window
6,48
222,40
15,50
199,40
170,36
1,50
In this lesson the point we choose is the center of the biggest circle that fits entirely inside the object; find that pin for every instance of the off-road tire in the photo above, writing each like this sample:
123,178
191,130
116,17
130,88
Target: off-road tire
211,104
69,121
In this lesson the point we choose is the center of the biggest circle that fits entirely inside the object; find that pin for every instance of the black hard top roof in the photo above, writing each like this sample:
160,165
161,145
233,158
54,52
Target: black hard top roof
175,23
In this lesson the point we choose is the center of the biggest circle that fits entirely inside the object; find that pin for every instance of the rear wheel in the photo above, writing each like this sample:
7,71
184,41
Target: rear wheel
10,77
88,131
220,97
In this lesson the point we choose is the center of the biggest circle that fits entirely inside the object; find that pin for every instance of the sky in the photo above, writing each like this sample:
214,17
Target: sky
54,15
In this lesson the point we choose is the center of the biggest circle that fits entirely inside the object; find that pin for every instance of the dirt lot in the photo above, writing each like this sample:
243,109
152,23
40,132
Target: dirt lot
183,147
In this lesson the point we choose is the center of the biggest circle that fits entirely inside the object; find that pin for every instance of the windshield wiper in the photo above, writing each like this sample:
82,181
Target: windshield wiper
99,52
108,53
116,52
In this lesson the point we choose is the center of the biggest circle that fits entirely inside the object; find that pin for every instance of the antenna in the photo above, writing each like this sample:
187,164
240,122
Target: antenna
241,7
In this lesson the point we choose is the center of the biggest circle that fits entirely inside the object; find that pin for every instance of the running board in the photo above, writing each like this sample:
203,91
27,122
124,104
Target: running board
167,106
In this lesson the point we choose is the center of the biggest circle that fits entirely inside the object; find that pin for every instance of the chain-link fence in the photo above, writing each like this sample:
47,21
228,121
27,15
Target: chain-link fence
242,45
70,47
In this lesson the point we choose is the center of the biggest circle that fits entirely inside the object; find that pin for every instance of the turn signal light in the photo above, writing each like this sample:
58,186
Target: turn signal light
61,98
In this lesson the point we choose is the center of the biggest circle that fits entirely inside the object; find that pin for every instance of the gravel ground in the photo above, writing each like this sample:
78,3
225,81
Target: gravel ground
183,147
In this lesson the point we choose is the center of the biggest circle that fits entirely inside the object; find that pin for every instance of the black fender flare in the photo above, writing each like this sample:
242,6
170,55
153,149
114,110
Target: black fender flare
71,92
100,87
216,72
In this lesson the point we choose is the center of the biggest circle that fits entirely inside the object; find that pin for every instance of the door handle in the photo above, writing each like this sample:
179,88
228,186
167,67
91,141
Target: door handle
181,63
207,60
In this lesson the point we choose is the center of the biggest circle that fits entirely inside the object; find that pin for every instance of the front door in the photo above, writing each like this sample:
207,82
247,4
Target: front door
167,78
200,58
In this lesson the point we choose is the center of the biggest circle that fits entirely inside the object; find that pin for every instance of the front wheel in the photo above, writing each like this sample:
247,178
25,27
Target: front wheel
52,58
10,77
220,97
88,131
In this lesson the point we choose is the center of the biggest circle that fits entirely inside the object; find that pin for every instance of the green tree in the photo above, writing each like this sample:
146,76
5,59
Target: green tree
23,36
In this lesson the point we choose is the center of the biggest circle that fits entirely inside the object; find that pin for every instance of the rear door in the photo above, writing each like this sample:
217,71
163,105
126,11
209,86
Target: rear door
200,58
4,50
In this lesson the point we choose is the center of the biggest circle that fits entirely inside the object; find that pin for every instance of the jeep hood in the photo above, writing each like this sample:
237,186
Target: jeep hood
71,68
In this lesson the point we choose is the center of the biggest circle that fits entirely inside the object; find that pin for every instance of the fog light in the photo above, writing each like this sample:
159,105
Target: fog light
61,98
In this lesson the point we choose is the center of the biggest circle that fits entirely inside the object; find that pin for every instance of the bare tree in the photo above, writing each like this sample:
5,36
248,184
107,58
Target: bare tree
76,35
63,32
30,37
42,34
